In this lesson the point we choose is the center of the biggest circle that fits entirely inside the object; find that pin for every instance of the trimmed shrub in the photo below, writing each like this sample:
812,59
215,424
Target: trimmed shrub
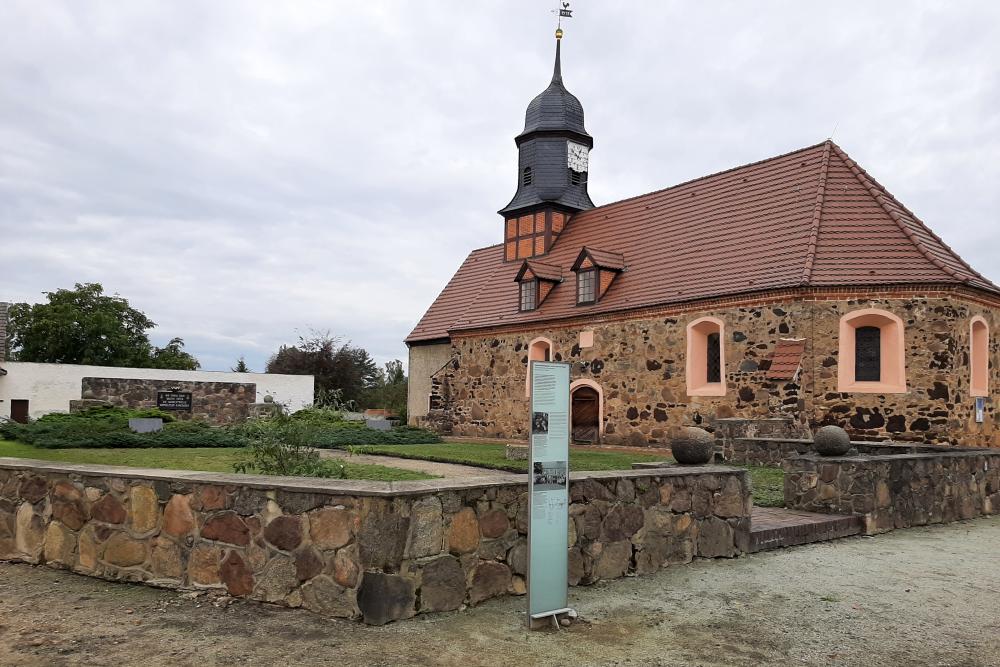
401,435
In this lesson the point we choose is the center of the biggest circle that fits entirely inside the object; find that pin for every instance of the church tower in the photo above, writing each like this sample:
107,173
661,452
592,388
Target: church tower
552,170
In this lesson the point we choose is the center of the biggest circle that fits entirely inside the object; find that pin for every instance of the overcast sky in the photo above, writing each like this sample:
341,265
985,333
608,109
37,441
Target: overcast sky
243,171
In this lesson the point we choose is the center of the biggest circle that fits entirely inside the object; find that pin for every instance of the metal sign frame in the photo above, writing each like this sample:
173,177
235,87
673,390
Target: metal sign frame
549,429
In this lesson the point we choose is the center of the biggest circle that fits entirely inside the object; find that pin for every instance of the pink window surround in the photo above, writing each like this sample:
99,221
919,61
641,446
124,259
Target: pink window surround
576,384
540,349
892,353
696,366
979,357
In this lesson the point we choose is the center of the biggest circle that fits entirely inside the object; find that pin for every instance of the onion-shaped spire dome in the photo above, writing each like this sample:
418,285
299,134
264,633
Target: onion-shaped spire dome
555,108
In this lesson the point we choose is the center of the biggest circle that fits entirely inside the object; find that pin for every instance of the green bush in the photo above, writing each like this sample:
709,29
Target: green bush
108,427
282,445
401,435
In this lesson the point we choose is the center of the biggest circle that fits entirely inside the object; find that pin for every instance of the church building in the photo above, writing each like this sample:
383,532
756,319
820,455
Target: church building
794,287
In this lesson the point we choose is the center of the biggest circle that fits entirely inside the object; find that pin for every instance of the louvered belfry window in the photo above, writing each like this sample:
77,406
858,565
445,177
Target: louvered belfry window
867,354
713,358
529,295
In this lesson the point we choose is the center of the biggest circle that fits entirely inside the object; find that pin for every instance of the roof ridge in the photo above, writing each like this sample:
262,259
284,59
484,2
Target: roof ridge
817,214
870,184
705,177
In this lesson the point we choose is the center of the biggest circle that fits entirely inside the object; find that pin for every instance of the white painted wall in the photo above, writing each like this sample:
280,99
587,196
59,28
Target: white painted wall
50,387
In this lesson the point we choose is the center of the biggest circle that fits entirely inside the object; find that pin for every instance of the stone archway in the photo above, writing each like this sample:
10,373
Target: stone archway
586,412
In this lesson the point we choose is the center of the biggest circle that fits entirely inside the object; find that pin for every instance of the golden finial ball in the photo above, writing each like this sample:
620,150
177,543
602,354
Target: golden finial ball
558,33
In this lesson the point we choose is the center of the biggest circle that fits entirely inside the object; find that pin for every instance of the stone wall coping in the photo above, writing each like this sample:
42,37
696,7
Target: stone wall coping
343,486
880,458
810,440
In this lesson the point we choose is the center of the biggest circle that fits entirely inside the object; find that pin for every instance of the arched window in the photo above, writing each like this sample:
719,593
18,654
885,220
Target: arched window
872,353
706,357
540,349
979,356
526,176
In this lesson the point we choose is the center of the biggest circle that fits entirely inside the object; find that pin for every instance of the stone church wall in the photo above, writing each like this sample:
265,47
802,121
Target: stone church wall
640,366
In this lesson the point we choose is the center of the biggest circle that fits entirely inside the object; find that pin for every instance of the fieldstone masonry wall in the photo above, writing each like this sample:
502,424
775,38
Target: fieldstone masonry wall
215,402
640,365
376,551
897,491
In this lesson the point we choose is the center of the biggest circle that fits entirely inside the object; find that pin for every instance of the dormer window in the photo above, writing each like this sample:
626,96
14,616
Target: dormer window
526,176
586,287
534,282
595,271
529,295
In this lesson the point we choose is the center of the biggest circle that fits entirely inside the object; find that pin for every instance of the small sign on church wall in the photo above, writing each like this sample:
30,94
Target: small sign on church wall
173,400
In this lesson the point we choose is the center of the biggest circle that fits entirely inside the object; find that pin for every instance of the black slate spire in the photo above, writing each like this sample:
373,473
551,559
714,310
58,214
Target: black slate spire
552,121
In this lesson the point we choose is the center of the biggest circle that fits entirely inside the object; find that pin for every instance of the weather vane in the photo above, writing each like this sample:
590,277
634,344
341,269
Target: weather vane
562,10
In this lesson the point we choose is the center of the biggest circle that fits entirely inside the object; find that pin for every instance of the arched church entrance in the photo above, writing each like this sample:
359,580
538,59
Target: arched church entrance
585,408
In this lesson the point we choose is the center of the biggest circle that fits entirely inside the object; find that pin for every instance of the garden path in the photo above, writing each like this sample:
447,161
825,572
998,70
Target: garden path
429,467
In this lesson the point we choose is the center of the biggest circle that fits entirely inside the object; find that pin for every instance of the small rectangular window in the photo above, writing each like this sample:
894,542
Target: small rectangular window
529,295
713,358
867,354
586,286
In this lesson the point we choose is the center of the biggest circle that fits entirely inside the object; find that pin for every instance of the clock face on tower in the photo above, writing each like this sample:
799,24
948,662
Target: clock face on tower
577,156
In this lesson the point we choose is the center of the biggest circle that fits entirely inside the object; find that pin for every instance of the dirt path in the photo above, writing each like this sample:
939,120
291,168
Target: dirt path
430,467
926,596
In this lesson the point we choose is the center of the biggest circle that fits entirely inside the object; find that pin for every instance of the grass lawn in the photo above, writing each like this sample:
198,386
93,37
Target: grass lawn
492,456
207,459
768,486
767,482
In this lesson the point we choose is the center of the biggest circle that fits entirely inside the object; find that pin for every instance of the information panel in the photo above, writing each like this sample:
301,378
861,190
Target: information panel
548,489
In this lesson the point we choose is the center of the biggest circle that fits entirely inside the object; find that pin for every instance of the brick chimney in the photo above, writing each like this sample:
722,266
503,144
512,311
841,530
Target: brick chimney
3,330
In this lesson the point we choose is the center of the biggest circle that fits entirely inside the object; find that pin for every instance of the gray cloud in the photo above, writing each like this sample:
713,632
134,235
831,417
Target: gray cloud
244,170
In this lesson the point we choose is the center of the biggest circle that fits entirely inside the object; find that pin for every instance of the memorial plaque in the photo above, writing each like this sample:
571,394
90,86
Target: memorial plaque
173,400
548,490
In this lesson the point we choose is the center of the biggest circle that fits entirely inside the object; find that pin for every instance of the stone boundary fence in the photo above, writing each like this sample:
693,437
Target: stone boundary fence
897,490
376,551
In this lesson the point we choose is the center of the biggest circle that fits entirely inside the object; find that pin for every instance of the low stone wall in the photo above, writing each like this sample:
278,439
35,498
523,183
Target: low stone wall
729,430
377,551
215,402
899,490
773,451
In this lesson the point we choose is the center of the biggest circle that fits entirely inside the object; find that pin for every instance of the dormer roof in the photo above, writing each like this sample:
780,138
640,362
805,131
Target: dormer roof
539,270
601,259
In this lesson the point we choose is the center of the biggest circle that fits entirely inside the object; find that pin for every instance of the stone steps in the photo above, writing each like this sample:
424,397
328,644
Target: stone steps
775,528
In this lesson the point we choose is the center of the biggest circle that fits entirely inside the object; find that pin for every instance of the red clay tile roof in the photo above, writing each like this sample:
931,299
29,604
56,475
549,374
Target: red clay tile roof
541,270
807,218
785,359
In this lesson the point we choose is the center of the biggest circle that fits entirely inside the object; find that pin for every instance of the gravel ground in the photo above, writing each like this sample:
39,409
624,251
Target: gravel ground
926,596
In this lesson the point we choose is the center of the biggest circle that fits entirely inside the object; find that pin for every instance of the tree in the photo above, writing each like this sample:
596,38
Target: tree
174,357
337,367
85,326
241,366
389,389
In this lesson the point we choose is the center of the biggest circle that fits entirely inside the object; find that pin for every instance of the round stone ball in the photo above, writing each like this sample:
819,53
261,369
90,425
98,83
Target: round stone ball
693,446
831,441
269,399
